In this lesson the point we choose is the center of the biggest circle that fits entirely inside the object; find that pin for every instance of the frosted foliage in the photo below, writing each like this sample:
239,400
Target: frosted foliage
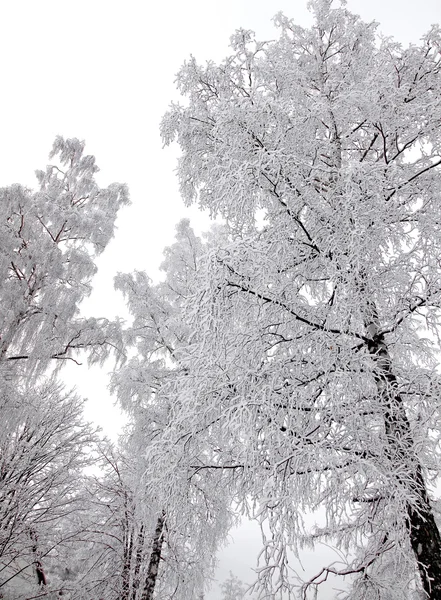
197,510
48,243
158,331
233,588
44,448
118,528
309,379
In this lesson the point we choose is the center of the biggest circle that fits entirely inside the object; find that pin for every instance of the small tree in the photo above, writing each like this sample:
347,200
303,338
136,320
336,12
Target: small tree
315,380
232,588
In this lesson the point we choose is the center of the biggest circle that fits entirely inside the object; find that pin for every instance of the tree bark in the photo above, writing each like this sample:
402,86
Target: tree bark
41,575
424,534
127,550
138,561
155,557
39,571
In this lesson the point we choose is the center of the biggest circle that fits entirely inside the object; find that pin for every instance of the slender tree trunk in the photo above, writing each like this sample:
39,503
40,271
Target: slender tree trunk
155,557
41,575
138,561
424,534
127,551
39,570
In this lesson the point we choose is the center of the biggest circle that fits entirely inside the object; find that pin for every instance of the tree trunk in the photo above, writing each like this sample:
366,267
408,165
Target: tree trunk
127,550
424,535
41,575
138,561
39,571
155,557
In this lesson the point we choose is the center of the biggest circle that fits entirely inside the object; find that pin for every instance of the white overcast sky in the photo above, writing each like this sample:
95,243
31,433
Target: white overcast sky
103,71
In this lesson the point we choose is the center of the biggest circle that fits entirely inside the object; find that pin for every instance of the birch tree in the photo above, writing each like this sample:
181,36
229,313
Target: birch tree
49,240
48,244
135,545
312,362
233,588
193,514
117,531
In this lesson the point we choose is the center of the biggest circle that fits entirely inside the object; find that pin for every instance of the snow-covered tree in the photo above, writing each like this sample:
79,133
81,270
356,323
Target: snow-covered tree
49,240
44,449
118,530
313,339
233,588
192,514
48,243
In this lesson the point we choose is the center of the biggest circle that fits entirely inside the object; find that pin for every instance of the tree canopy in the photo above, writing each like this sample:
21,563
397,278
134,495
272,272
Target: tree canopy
287,362
312,363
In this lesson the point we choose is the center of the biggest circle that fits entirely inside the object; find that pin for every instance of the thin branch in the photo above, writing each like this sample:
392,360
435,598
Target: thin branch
298,317
399,187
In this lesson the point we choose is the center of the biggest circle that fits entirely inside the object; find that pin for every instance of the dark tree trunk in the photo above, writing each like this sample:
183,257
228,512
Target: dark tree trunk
138,561
155,557
39,571
426,542
127,550
41,576
424,534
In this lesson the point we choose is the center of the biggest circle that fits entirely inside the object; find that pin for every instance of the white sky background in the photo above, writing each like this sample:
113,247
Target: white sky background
103,71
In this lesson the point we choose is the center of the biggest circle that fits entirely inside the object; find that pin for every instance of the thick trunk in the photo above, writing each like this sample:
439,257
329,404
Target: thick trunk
426,542
155,557
424,535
